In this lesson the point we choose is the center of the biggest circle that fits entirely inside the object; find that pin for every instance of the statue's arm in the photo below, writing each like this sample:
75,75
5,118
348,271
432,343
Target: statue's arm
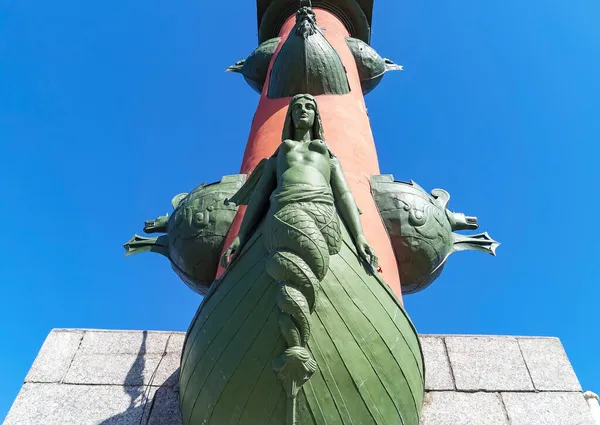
346,204
259,201
349,212
256,197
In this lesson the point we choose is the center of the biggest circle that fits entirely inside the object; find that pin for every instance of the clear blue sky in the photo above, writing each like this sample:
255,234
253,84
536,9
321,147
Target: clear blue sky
108,109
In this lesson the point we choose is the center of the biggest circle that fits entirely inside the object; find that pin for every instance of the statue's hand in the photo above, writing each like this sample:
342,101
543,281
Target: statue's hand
366,252
230,253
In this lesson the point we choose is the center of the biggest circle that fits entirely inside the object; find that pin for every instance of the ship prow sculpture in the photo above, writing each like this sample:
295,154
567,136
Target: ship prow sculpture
303,257
423,230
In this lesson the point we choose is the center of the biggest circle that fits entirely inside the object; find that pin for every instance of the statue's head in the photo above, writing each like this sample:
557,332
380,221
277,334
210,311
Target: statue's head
302,114
306,20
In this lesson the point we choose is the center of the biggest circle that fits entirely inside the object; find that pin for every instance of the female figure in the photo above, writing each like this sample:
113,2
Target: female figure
297,191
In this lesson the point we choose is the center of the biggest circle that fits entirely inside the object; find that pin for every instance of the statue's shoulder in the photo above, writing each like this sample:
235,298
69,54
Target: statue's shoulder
287,144
334,159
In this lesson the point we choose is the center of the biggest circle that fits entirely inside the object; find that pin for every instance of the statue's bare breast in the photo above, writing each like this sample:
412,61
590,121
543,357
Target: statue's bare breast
303,163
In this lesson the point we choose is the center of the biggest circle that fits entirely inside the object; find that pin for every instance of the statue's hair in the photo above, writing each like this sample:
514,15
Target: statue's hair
289,132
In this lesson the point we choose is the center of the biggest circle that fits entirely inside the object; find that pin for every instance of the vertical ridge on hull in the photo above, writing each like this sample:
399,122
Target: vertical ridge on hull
370,302
206,381
222,318
370,365
335,377
377,351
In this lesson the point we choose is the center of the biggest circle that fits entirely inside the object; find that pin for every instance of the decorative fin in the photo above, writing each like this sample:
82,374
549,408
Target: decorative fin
415,184
178,198
479,242
391,66
294,367
242,196
441,197
138,244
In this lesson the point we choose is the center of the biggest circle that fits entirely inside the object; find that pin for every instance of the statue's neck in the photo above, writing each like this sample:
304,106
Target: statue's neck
303,134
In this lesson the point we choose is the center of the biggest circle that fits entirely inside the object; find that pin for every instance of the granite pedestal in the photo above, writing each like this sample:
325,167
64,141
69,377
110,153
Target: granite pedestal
130,377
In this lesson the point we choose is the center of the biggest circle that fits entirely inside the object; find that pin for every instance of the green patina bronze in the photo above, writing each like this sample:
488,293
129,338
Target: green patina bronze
307,63
254,68
195,232
300,329
356,15
421,230
371,67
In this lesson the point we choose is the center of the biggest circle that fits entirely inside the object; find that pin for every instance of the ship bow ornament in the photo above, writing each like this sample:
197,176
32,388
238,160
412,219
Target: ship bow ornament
307,62
297,325
423,230
300,329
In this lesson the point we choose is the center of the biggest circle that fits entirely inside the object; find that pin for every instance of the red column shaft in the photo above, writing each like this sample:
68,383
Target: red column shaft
347,132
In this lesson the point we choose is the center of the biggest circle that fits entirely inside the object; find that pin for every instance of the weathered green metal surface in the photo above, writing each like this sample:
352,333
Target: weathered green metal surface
371,67
196,232
355,14
421,230
300,329
370,368
254,68
307,63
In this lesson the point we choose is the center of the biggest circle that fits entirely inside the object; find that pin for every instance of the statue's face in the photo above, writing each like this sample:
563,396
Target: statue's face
303,113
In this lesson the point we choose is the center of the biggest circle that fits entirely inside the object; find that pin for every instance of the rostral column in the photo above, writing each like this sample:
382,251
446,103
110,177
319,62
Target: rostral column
301,255
345,119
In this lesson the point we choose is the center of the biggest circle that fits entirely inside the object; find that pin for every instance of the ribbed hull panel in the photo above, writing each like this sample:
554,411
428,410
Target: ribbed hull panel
370,367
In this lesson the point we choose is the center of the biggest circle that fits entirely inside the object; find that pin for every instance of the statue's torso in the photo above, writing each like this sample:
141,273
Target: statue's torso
303,163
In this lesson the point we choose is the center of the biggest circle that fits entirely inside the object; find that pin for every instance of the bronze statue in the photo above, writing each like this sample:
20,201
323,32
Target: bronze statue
300,328
299,188
303,168
300,321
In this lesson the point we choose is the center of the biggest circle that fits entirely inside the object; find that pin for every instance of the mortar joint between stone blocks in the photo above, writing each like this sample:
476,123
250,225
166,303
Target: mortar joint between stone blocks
62,380
526,365
148,389
449,363
504,408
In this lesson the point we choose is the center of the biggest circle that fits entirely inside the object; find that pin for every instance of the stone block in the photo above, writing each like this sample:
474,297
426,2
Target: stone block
130,377
60,404
548,365
438,375
482,363
175,344
124,342
55,356
167,373
112,369
454,408
547,408
166,410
